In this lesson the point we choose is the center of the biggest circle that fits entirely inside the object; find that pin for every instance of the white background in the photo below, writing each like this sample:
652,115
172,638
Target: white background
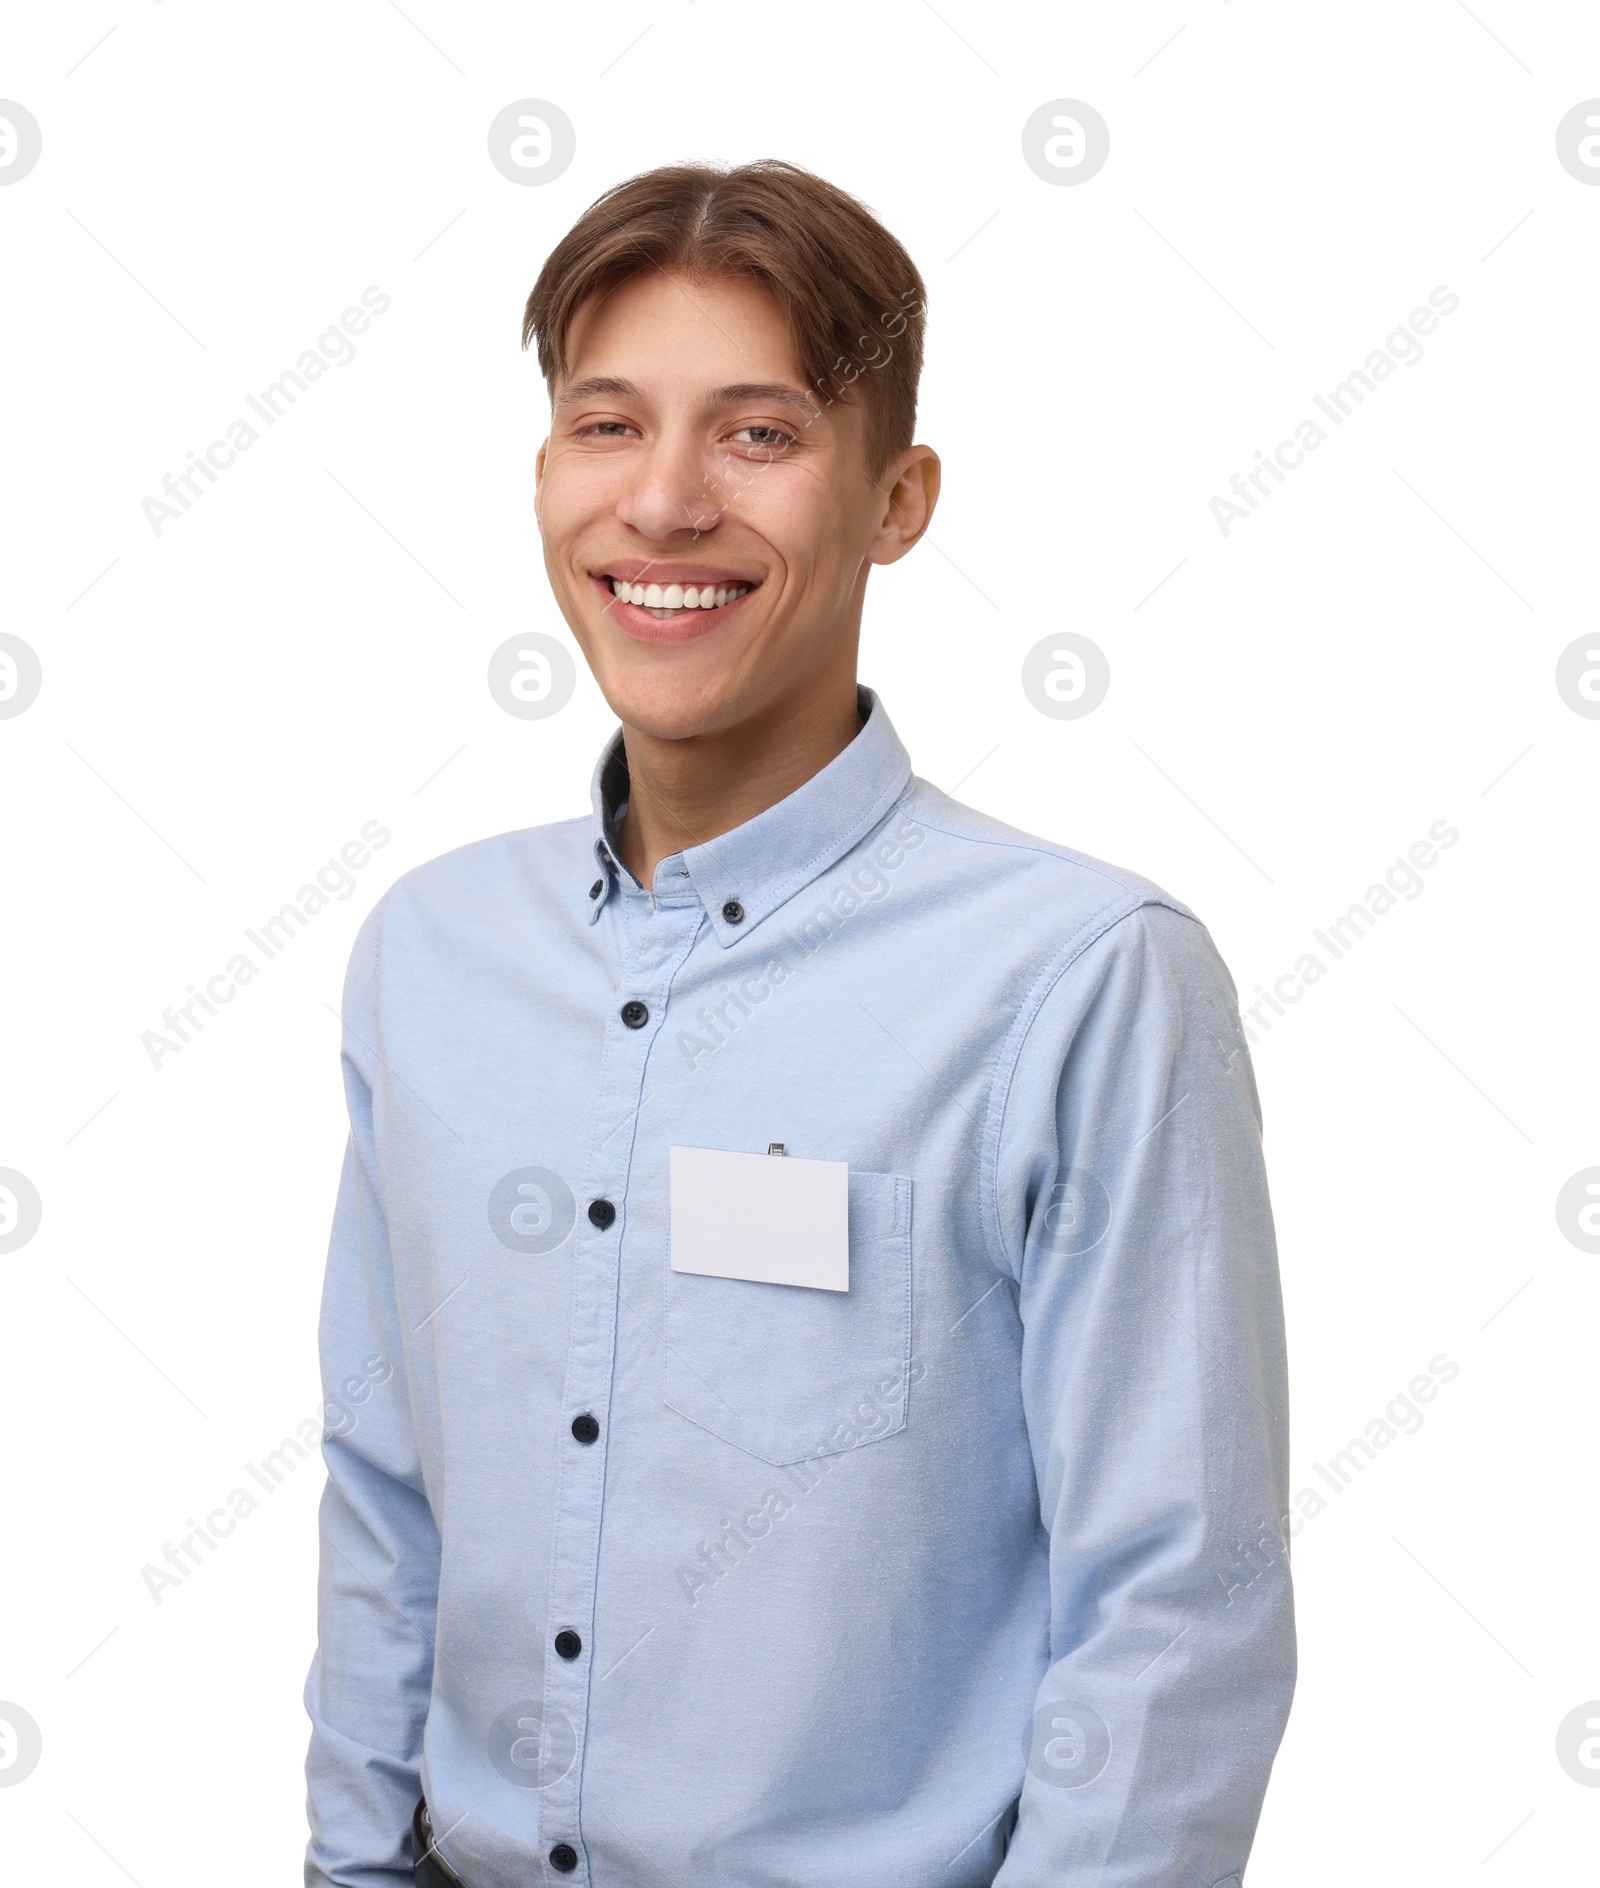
1370,652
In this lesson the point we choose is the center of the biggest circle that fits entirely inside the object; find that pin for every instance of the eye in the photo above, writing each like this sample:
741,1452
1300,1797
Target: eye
765,438
603,429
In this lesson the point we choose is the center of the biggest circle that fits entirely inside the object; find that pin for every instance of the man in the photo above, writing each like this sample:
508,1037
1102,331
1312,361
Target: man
803,1246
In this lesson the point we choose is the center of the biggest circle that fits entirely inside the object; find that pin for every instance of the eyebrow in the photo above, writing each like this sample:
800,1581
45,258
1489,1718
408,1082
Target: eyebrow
740,393
597,387
779,391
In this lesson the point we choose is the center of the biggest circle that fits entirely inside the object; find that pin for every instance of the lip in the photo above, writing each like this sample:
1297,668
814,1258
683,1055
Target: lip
634,620
663,570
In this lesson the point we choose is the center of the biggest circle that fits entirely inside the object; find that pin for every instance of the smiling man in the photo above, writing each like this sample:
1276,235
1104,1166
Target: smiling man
809,1241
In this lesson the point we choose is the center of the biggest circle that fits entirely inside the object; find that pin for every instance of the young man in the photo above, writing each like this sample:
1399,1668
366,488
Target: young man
803,1253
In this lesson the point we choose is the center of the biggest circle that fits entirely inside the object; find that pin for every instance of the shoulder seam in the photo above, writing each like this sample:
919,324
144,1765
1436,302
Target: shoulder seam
1045,850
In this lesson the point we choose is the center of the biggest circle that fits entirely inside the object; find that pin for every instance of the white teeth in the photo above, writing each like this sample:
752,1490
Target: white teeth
673,598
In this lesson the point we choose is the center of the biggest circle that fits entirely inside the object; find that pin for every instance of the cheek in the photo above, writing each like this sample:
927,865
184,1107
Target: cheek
803,521
569,498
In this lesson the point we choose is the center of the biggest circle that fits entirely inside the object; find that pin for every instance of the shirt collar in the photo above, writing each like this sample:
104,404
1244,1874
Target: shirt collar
761,865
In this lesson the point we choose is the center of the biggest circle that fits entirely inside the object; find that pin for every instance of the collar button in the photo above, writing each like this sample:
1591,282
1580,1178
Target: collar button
597,888
733,912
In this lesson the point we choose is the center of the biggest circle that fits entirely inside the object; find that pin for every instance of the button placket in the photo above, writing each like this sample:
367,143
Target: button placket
652,951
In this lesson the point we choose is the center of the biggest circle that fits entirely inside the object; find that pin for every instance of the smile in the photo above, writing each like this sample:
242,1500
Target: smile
665,601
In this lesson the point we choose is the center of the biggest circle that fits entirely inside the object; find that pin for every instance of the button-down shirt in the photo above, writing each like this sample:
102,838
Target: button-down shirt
973,1573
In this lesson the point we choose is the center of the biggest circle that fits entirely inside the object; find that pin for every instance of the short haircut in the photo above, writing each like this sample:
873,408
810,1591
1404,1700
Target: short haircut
852,296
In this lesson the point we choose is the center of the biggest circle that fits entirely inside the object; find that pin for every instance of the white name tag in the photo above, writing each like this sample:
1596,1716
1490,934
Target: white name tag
764,1217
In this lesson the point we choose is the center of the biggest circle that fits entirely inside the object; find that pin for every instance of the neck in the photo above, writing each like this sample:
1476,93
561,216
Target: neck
683,792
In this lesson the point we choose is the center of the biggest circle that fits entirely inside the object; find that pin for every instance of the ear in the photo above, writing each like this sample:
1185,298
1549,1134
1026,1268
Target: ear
538,475
909,486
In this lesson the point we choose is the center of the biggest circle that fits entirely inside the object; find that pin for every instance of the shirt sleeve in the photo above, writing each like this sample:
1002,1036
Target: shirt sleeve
368,1690
1130,1205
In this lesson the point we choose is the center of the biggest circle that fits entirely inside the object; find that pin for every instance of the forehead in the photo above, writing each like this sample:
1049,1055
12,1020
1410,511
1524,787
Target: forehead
664,328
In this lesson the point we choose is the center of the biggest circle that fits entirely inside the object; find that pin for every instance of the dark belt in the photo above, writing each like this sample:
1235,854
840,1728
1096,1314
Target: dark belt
431,1869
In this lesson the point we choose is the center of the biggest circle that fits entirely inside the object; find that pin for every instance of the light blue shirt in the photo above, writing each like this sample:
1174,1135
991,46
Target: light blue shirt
972,1574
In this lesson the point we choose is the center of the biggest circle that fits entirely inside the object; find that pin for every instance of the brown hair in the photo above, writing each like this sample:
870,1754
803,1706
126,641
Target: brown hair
853,297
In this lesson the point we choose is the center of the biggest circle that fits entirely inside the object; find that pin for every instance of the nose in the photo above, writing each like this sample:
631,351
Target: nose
673,490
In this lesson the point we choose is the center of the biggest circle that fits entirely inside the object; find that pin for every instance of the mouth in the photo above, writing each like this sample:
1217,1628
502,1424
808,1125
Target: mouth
700,602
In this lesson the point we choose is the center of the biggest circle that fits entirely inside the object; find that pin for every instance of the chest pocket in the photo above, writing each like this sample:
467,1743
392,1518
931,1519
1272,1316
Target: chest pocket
785,1372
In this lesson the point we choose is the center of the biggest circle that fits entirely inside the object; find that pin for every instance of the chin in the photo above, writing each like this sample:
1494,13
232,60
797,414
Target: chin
673,704
667,715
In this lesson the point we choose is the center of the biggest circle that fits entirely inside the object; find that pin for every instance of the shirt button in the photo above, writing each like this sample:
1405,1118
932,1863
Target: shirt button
564,1857
634,1014
585,1428
601,1213
597,888
568,1644
733,912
